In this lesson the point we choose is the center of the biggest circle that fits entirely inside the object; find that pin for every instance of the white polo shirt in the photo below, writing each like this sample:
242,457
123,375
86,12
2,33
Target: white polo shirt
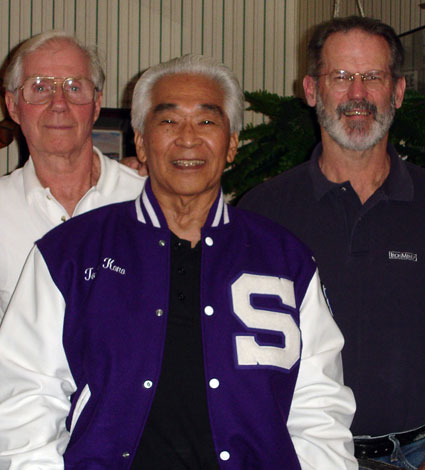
28,211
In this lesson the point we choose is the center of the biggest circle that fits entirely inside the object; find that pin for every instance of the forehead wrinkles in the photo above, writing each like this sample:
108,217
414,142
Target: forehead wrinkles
43,61
214,108
187,87
355,51
187,93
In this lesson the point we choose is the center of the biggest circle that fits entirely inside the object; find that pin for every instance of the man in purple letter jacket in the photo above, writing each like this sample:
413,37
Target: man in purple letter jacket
174,331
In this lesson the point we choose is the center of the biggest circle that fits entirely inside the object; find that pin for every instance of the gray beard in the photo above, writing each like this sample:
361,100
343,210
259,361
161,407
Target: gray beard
357,136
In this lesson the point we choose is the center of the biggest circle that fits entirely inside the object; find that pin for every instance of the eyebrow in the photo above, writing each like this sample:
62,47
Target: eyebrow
210,107
213,107
163,107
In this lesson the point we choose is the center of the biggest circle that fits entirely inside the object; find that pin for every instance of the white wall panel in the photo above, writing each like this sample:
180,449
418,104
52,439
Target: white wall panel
286,27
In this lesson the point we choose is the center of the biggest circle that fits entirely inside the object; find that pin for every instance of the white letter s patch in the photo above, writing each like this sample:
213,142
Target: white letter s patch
248,351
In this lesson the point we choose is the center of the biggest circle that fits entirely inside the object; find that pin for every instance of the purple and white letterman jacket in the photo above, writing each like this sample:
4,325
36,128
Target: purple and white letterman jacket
81,345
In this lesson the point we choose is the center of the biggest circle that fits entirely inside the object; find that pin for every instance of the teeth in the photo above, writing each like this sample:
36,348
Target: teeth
188,163
356,113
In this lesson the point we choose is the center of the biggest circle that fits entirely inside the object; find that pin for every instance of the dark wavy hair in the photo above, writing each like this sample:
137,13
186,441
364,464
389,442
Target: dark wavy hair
344,25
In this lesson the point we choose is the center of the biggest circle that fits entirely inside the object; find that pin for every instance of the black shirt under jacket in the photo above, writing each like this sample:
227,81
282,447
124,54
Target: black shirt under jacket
177,434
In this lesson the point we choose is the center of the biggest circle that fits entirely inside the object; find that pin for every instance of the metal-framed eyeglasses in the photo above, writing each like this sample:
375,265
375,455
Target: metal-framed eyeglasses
40,90
341,80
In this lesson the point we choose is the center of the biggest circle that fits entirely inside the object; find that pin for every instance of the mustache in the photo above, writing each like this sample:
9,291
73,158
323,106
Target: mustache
352,105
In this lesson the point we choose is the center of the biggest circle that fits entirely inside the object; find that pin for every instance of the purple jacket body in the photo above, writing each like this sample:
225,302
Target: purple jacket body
111,266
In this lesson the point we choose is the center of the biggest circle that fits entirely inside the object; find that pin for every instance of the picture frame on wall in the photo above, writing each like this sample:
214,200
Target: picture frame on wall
110,142
113,134
414,64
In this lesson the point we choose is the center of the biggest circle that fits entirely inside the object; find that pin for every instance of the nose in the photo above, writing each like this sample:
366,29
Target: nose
58,101
188,135
357,89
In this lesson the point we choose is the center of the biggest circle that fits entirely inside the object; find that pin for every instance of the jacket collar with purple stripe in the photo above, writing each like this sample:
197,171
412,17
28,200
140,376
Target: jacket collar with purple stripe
149,212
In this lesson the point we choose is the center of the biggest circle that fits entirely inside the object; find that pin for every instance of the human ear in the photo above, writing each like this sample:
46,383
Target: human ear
310,89
140,147
233,147
97,104
12,106
399,90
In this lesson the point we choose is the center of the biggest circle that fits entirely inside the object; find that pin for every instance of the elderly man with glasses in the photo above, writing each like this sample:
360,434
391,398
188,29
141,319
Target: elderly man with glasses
54,92
361,209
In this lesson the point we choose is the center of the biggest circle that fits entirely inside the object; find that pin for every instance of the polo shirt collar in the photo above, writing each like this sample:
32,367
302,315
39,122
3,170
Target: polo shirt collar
321,185
32,184
398,186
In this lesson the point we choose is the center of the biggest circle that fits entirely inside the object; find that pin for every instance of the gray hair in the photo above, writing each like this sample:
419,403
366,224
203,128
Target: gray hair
189,64
13,76
346,24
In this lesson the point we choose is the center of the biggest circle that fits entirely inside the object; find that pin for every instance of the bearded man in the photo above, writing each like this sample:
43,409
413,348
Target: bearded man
360,208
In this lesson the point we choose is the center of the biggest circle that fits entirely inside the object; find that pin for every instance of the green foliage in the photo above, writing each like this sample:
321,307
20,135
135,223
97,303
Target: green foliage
408,130
291,132
284,141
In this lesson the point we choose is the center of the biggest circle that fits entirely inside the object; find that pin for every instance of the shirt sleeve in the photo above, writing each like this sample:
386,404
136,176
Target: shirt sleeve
322,407
36,382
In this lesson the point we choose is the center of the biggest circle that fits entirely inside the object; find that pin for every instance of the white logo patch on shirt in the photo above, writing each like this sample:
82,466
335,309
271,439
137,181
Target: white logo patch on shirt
403,256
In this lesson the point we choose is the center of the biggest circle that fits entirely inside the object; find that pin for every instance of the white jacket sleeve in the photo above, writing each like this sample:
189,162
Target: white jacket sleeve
35,380
322,407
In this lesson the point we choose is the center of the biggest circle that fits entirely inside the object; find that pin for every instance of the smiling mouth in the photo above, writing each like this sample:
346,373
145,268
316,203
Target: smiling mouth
356,113
188,163
357,108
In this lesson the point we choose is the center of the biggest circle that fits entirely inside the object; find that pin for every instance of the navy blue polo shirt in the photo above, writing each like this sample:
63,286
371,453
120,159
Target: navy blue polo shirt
371,259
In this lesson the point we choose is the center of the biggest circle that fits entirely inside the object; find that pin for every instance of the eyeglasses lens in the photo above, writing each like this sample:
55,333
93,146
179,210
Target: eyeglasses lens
39,90
342,80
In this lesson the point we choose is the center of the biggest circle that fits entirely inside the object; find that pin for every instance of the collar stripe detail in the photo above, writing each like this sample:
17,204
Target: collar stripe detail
150,210
221,208
226,213
139,212
145,211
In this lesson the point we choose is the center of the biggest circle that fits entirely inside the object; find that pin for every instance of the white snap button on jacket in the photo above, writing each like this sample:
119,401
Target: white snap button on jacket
208,310
147,383
209,241
214,383
224,455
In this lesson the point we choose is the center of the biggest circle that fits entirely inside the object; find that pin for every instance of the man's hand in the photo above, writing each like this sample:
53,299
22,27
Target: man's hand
134,163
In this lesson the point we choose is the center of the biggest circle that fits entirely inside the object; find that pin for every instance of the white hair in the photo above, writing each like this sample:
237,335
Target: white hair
13,76
189,64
